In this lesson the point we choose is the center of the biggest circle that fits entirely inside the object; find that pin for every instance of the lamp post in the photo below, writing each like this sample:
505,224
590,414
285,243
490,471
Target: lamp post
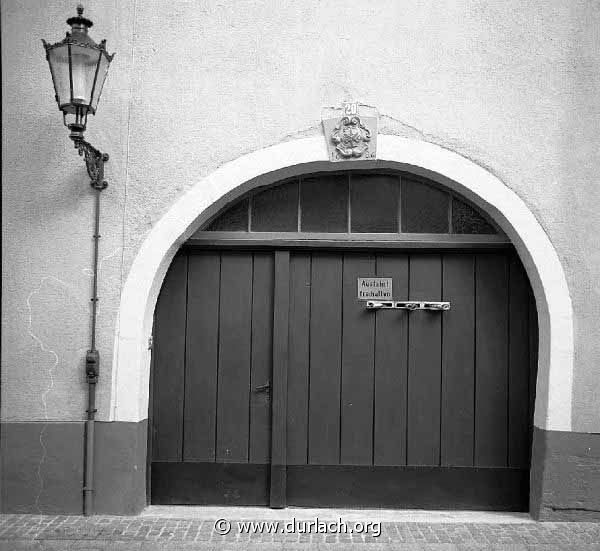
79,67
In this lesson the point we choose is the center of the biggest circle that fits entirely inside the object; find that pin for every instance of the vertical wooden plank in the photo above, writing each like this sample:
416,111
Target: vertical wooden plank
325,356
280,380
458,361
262,358
358,351
391,356
234,357
518,366
202,340
150,431
170,363
491,360
533,359
299,346
424,363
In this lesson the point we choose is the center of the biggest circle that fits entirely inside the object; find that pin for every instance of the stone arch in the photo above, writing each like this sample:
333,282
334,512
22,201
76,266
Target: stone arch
131,358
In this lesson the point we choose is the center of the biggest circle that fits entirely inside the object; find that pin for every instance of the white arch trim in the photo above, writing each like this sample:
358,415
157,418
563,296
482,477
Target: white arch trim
131,360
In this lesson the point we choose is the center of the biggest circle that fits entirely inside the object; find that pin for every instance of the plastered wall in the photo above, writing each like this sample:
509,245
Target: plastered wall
511,85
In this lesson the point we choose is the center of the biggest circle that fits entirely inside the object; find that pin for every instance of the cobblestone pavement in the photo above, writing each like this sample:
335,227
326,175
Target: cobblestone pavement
109,533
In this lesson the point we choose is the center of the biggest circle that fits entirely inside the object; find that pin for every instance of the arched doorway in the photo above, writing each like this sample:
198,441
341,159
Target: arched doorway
131,360
277,381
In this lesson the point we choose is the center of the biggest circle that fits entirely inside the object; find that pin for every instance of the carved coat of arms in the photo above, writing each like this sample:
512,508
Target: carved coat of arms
351,137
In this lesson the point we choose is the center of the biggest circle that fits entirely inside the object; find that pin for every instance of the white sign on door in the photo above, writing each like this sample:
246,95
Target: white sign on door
375,288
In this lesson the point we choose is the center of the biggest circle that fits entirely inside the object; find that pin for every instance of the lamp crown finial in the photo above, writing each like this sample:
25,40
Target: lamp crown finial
79,21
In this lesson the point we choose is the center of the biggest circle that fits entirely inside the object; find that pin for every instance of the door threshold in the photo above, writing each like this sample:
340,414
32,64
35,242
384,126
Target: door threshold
205,512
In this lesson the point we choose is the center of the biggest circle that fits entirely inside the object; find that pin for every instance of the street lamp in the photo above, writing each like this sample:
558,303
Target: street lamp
79,67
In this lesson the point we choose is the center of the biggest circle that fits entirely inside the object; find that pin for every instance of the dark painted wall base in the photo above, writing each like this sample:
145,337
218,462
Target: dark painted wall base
565,476
120,470
42,468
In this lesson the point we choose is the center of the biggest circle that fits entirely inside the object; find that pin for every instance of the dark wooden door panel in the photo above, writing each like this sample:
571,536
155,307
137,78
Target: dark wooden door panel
262,358
233,389
424,363
491,357
533,359
299,358
325,360
408,487
196,483
280,378
518,375
358,355
201,353
170,364
458,361
391,361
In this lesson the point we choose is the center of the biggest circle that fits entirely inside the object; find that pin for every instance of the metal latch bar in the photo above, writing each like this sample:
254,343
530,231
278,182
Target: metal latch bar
407,305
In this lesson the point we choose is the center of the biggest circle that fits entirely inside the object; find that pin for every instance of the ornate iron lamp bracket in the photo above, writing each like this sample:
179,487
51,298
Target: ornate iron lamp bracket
94,161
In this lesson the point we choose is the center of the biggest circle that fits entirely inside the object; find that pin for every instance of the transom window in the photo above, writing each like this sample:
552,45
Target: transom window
354,202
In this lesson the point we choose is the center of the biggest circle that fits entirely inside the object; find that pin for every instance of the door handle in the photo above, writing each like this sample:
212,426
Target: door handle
263,388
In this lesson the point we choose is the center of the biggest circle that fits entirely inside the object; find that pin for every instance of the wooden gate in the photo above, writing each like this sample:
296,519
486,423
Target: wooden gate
273,384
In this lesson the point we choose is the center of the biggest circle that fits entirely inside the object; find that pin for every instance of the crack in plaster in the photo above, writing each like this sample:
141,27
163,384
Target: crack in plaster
386,127
306,133
447,144
44,396
389,125
49,388
90,273
453,146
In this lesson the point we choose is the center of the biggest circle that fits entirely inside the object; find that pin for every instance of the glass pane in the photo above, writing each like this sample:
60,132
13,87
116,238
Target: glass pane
102,72
324,204
465,219
424,208
83,62
276,209
374,203
235,218
59,66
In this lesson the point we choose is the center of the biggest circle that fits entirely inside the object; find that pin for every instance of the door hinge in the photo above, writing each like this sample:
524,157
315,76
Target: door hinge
150,342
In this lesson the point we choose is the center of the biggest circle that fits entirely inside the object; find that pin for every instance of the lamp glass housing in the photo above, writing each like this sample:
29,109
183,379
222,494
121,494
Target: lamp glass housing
79,68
